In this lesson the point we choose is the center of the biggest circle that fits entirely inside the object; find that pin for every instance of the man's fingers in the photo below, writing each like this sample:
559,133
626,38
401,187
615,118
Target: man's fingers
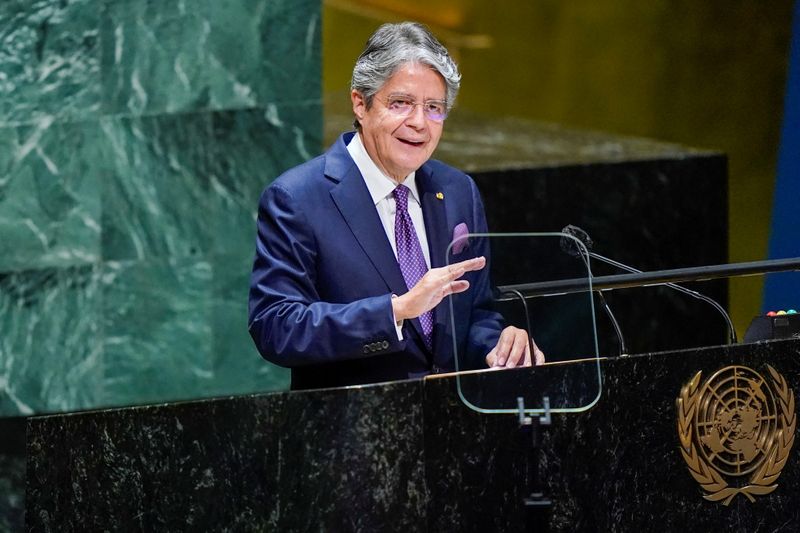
456,270
491,357
454,287
503,347
519,345
528,361
538,355
513,349
438,283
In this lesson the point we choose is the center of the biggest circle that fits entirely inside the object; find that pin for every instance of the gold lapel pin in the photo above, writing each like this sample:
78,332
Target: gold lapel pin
439,196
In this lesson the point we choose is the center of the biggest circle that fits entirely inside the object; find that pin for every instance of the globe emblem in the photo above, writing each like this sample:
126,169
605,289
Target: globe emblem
735,420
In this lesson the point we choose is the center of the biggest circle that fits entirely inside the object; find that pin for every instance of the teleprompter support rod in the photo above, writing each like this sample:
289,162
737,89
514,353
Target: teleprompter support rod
537,506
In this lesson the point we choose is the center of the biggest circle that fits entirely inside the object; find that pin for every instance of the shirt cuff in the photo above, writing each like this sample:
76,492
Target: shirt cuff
398,326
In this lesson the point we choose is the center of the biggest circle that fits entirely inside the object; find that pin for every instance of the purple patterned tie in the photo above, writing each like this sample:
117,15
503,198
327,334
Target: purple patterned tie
409,254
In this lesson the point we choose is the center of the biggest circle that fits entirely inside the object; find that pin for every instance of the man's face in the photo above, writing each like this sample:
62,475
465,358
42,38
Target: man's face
400,144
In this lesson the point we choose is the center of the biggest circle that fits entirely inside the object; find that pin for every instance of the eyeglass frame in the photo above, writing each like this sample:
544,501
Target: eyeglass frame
414,104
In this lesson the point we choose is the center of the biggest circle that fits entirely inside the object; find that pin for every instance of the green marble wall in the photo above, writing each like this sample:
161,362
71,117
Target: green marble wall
135,139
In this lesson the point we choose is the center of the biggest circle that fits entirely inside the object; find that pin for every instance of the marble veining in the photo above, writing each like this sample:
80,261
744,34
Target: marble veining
206,55
50,351
616,467
156,185
128,188
268,439
50,60
83,59
405,456
247,149
49,196
157,328
158,209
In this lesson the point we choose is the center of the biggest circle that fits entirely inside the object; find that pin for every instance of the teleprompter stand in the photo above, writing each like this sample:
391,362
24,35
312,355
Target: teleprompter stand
537,506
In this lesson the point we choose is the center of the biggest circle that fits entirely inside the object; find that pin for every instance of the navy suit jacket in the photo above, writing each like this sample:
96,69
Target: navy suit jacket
324,273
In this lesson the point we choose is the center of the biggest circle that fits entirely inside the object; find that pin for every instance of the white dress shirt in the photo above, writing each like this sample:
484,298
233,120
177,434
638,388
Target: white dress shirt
380,188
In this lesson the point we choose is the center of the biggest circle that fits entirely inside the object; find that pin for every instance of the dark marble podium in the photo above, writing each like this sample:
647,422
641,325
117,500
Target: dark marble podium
405,456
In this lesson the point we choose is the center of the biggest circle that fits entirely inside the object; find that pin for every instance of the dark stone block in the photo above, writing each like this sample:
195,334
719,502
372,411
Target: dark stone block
649,204
12,473
406,456
284,462
652,215
616,467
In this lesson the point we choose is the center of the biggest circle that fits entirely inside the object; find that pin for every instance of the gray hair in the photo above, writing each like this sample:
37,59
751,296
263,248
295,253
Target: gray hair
393,45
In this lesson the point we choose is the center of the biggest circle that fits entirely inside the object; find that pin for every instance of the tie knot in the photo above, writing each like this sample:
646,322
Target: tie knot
401,197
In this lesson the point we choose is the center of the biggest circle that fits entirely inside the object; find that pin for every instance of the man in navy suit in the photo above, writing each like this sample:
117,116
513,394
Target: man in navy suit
350,263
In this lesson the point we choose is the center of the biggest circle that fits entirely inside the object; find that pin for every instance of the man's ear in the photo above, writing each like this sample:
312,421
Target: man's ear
359,104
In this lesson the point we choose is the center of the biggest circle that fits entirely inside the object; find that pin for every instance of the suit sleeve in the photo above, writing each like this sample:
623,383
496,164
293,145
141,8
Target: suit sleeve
288,322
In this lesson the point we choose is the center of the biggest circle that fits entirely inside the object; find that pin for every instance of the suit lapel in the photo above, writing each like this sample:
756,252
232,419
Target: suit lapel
435,216
434,210
355,205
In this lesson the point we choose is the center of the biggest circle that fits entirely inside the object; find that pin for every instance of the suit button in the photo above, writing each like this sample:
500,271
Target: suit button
385,344
365,349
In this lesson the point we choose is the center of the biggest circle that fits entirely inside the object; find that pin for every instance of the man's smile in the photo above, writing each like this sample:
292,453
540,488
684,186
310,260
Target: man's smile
410,142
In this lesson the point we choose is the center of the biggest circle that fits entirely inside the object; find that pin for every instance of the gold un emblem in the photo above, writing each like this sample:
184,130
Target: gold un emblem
733,425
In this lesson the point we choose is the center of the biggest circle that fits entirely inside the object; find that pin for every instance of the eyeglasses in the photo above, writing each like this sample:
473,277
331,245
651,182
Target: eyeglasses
435,110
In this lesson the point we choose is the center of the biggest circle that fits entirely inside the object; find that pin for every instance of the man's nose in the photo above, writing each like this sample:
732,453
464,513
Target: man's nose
417,117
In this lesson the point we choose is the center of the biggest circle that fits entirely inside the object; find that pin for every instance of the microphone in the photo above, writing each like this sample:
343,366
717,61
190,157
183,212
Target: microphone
569,246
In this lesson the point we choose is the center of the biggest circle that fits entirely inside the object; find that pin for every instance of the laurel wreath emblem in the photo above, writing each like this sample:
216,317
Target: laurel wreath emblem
762,481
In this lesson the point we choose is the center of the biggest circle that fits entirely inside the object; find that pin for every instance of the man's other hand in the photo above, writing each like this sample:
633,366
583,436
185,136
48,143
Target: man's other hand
513,349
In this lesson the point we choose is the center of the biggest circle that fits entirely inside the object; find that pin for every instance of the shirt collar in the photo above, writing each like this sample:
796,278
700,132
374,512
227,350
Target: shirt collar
379,184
